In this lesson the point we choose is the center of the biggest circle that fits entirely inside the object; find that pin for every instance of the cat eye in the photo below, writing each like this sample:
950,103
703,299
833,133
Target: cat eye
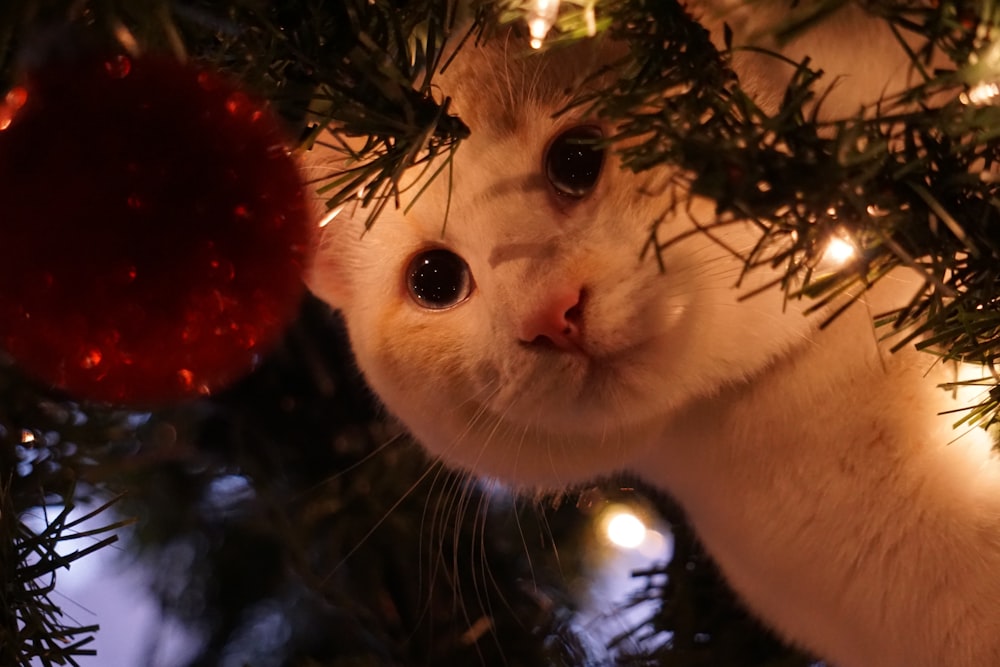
438,279
573,161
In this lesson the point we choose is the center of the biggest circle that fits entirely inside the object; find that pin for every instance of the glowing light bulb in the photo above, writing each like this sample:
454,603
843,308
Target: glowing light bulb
838,251
11,104
981,94
591,20
985,62
334,212
126,38
330,215
540,18
626,530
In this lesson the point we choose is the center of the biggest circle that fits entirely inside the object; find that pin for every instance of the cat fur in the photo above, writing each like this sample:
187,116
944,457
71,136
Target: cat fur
839,503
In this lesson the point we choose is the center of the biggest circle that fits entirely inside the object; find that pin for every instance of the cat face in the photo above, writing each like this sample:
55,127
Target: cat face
528,337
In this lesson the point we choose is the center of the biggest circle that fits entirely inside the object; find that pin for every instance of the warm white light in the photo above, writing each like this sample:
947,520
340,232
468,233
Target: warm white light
541,17
330,215
591,19
537,27
626,530
334,212
986,61
11,104
984,92
126,38
838,251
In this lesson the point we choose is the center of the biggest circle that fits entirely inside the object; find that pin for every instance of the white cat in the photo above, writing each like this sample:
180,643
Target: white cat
528,341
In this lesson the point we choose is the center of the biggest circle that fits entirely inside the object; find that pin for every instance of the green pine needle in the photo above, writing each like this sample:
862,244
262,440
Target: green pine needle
33,629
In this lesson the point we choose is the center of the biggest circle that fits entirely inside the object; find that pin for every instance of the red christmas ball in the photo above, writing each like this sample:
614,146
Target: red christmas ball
154,229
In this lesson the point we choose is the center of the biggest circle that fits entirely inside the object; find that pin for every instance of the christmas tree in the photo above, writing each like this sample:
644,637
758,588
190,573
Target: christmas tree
272,475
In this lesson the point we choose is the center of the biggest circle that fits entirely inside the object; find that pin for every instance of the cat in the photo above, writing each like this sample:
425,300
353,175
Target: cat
528,340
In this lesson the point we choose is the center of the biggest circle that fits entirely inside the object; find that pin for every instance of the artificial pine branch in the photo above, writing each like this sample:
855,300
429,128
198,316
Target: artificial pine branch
48,446
377,101
33,629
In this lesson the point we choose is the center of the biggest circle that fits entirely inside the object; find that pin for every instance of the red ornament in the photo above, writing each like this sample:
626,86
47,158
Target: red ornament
153,227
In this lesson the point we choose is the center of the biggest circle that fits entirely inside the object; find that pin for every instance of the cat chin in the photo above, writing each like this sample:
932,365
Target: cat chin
528,457
548,437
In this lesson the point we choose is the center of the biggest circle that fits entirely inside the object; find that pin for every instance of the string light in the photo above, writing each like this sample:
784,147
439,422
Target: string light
838,251
840,248
540,18
334,212
981,94
590,18
623,528
11,104
984,65
330,215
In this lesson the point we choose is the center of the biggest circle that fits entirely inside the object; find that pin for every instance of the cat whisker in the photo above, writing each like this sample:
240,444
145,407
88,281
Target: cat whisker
427,529
378,451
434,526
524,543
499,421
455,502
555,467
615,398
487,391
485,563
484,620
547,527
447,520
481,410
520,448
482,513
385,516
452,515
485,578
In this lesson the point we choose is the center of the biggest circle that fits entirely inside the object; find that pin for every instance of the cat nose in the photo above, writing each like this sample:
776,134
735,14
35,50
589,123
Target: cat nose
558,323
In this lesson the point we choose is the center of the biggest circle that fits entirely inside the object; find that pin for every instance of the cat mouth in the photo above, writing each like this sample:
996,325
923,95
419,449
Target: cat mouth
572,388
582,350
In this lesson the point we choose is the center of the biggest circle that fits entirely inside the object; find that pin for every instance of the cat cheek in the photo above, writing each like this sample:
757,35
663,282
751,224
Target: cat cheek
417,354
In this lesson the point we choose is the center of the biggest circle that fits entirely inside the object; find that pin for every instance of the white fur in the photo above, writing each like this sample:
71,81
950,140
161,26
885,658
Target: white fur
814,465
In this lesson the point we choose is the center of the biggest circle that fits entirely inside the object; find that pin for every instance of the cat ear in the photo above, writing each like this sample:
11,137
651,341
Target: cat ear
327,277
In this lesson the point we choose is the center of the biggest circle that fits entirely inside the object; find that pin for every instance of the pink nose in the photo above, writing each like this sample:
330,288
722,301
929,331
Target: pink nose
557,323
